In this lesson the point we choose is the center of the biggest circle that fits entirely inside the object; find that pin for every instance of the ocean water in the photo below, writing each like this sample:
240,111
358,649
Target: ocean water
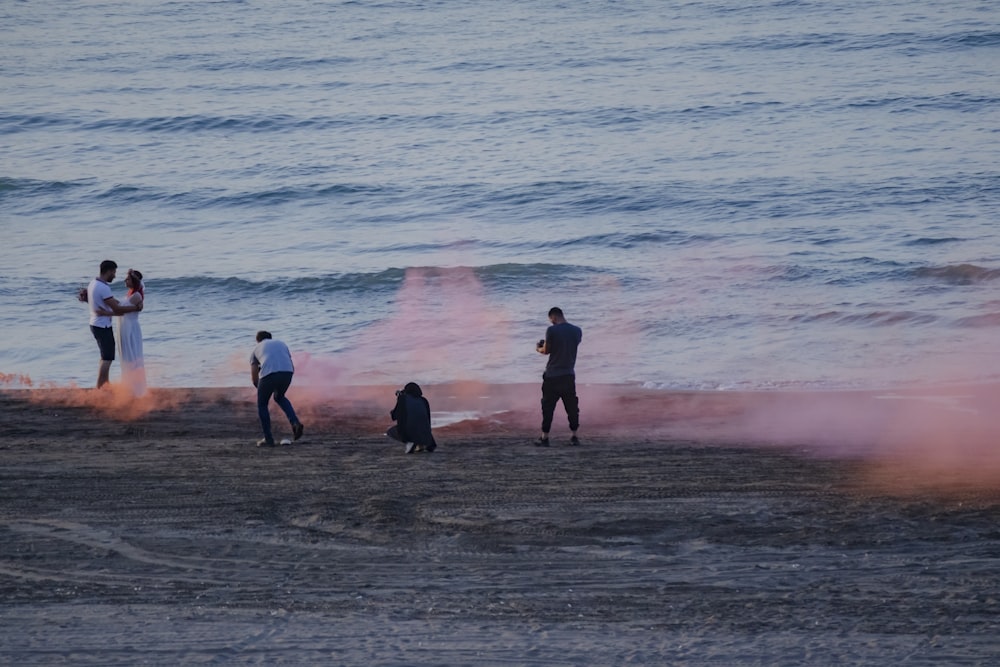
723,195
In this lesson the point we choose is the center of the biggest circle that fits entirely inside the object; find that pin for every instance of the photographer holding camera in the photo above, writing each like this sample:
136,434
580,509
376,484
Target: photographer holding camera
413,420
559,379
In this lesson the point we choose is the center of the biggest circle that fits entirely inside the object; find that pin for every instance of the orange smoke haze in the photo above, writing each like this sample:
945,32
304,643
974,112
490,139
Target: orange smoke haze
112,401
15,380
913,442
909,441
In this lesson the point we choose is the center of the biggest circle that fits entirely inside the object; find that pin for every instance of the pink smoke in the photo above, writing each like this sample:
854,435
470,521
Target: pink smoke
443,326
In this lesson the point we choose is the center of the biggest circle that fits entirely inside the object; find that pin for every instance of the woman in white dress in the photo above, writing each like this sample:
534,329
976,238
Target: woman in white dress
130,336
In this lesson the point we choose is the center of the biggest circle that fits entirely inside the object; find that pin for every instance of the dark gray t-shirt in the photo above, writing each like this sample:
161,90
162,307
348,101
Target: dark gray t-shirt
562,340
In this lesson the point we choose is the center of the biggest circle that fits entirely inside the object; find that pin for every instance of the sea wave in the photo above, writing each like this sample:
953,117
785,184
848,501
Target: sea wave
975,39
958,274
590,117
892,318
931,241
875,41
976,321
878,318
241,287
295,63
389,280
34,187
198,123
956,101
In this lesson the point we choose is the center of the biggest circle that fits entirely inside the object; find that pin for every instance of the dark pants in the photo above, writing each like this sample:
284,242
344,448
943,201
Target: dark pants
274,384
555,389
105,337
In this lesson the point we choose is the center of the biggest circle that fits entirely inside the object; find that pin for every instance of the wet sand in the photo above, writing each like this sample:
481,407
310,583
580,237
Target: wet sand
688,529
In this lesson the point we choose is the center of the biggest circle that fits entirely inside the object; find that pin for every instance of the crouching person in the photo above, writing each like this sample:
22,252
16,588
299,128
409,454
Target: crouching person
413,420
271,371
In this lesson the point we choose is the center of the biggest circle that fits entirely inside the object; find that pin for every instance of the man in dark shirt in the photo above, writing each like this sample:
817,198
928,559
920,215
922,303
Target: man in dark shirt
559,379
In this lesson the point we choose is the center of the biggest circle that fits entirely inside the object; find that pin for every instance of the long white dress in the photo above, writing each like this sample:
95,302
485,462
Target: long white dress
130,349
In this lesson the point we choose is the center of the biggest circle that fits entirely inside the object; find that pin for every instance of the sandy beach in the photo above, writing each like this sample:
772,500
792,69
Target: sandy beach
688,529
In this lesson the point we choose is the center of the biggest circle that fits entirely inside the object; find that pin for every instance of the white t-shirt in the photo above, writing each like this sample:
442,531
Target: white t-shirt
97,292
273,357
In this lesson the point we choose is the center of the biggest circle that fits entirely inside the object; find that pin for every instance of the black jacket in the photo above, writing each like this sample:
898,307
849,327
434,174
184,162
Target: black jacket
413,417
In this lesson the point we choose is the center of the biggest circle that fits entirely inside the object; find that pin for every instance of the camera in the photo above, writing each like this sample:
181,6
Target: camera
399,392
540,343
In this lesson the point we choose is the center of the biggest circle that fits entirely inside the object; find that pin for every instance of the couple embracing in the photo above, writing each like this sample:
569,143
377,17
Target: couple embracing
103,307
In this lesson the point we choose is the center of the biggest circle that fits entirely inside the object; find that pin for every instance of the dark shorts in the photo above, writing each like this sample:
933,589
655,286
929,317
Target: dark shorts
105,337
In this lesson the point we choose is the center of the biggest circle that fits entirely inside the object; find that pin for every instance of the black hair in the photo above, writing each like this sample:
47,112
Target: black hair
108,265
555,311
263,335
413,389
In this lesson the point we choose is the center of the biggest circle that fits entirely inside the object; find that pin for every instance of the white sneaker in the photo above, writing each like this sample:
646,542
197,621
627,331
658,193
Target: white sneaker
410,446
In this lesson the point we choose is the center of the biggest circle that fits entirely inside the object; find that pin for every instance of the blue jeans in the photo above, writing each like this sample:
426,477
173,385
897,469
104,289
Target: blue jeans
274,384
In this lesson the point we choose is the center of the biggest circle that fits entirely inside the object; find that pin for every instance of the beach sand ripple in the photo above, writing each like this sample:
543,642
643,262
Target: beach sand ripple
168,538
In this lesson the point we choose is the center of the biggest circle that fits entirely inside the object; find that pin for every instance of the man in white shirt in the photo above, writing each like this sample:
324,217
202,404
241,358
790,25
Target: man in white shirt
271,371
103,306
